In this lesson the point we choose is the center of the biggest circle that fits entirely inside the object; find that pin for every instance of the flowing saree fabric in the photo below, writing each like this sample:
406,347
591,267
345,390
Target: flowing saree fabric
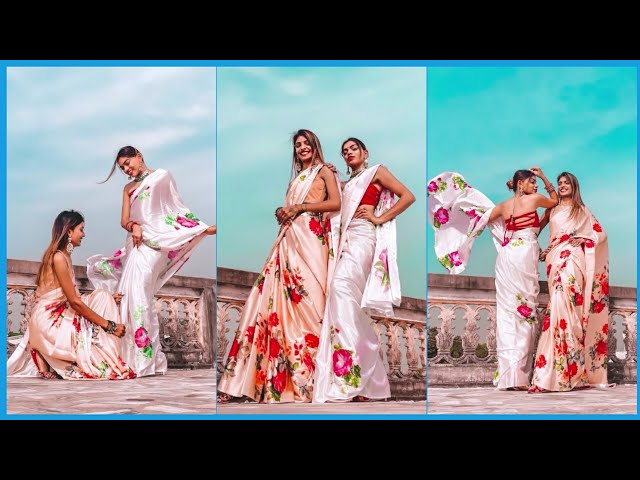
572,350
459,214
59,343
272,356
170,232
366,279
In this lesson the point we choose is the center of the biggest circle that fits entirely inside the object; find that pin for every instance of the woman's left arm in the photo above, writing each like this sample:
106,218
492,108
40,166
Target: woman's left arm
331,204
405,198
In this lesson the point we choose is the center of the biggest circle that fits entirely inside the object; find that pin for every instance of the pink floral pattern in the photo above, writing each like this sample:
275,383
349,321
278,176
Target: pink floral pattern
344,366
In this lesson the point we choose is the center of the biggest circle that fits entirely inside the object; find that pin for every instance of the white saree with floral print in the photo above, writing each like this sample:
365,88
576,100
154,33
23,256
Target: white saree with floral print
170,232
573,347
365,281
273,353
458,214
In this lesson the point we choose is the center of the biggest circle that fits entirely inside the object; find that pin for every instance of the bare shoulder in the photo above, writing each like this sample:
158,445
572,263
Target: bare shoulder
59,259
383,171
128,187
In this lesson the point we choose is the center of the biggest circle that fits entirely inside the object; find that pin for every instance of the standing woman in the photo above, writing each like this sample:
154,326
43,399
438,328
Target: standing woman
572,350
272,356
69,336
349,365
162,235
459,214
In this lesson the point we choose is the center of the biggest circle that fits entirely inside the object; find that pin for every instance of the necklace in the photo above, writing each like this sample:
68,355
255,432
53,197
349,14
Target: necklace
142,176
355,174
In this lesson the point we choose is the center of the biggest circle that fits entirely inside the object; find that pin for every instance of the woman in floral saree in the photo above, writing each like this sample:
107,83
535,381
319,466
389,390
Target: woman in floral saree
459,214
349,365
69,336
162,235
572,350
272,356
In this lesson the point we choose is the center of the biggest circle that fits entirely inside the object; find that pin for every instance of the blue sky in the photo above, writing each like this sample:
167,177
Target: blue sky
258,111
485,123
64,128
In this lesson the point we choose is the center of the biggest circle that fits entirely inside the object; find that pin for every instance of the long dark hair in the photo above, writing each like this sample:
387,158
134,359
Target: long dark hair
126,152
576,198
512,184
314,142
63,224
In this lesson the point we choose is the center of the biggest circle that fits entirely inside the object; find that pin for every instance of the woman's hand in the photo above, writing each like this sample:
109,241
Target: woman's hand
120,330
212,230
537,171
332,167
117,297
136,234
286,214
577,241
366,214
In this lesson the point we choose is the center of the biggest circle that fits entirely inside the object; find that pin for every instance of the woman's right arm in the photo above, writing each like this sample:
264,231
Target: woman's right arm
136,230
64,279
495,213
541,200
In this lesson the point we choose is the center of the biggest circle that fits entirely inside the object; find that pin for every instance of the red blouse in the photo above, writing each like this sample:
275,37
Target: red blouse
371,196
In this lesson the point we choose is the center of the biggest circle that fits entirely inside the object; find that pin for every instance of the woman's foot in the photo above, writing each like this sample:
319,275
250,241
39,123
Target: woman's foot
224,398
360,398
537,389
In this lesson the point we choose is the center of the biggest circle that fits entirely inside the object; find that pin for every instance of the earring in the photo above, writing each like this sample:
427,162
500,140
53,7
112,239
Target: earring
366,164
348,171
130,178
521,192
69,245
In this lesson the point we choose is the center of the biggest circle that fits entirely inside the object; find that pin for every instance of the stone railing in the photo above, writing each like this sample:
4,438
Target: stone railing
462,330
185,308
403,338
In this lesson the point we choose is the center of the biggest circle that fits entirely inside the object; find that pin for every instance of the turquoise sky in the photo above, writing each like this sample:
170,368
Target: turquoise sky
258,111
485,123
64,128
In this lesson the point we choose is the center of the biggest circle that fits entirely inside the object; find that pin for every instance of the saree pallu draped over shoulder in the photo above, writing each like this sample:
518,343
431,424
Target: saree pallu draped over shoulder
170,233
272,355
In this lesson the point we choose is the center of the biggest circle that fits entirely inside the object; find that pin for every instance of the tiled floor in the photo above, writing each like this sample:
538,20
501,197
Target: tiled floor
488,400
177,392
364,408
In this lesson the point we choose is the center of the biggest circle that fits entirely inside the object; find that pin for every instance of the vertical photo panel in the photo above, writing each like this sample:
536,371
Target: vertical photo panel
532,212
321,253
111,211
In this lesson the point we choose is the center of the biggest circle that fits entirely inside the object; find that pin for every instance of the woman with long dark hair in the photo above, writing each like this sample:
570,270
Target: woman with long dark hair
349,365
162,234
572,350
272,356
69,336
459,214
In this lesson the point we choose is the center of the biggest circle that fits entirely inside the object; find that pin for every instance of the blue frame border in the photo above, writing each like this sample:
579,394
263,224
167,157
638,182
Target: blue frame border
4,64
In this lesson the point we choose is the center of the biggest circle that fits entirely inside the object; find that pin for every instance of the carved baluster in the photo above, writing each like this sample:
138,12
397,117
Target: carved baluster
413,360
492,345
612,340
470,337
631,337
422,372
394,355
444,338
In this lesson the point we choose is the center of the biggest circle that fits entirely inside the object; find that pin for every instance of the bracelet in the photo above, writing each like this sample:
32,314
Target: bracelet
549,188
112,327
130,225
277,210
